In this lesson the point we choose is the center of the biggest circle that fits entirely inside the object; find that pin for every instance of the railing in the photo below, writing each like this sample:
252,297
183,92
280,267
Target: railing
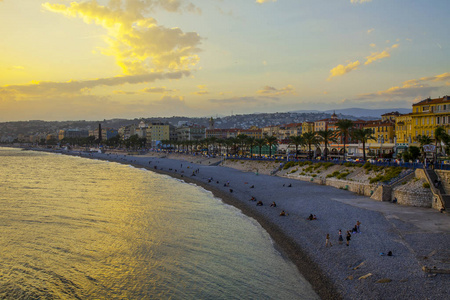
436,191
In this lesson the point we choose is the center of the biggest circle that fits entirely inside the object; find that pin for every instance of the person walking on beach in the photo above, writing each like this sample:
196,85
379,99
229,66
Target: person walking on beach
327,240
348,237
340,239
358,223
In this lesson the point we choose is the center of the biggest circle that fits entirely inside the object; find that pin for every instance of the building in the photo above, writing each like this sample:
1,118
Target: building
157,132
190,133
324,124
252,132
288,130
428,115
271,130
383,131
72,133
307,127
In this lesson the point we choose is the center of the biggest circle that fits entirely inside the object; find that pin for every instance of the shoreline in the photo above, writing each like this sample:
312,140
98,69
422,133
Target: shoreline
336,272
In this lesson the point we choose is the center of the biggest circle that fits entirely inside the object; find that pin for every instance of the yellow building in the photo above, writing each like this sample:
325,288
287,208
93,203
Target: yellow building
403,129
381,130
428,115
307,127
256,133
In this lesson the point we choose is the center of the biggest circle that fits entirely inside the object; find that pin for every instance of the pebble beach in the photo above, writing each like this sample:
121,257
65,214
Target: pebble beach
417,237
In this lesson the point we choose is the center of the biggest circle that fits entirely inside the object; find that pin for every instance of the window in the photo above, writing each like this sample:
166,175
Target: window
437,120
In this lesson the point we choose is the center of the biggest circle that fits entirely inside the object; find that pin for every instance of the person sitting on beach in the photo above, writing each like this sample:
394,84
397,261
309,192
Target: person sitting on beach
290,185
252,187
282,213
355,229
311,217
259,203
273,204
314,217
252,199
231,190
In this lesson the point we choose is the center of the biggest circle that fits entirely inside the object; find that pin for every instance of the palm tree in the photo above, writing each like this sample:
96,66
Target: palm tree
327,136
296,140
363,135
250,142
271,140
260,143
440,136
310,139
228,143
241,138
344,126
213,141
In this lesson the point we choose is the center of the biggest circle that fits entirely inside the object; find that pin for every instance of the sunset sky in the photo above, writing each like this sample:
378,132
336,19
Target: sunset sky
102,59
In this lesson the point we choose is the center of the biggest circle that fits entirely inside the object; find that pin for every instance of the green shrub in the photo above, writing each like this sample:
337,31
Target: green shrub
334,174
314,175
342,175
426,185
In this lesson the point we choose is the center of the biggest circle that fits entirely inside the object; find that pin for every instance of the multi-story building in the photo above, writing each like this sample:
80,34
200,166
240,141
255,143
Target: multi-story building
383,132
73,133
158,132
253,132
221,133
428,115
322,125
307,127
288,130
190,133
272,130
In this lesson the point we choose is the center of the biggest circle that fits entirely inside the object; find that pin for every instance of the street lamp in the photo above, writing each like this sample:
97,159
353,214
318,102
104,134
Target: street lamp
381,141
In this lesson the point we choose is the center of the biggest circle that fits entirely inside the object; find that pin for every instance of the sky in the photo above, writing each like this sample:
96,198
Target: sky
104,59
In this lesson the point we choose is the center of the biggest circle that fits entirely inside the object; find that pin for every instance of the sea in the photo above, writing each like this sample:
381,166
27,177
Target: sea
77,228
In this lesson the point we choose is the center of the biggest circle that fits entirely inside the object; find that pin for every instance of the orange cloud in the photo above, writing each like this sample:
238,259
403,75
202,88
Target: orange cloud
342,70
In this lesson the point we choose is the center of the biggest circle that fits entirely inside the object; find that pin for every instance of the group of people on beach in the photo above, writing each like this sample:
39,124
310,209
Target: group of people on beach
348,235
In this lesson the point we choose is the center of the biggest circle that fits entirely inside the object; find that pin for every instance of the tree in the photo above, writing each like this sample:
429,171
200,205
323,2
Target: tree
423,140
310,139
344,126
260,143
440,136
327,136
363,135
250,142
296,140
411,154
271,140
213,142
241,138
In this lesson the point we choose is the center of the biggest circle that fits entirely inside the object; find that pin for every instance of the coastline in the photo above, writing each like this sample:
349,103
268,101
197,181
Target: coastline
334,273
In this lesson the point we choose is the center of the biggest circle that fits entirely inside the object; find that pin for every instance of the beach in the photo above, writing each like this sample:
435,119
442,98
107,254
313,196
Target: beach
417,237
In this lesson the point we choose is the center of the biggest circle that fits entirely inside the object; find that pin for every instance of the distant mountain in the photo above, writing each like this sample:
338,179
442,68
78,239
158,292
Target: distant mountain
361,112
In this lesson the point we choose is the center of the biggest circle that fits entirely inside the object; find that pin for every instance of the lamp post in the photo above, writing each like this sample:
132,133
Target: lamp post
381,141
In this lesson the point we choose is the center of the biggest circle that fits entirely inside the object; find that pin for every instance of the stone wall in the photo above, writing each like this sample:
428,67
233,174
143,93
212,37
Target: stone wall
424,199
360,188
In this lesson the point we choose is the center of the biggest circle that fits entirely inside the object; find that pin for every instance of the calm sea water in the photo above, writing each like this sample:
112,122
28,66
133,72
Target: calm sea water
74,228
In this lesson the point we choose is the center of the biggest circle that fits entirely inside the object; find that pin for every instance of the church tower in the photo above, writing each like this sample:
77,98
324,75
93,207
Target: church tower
211,123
